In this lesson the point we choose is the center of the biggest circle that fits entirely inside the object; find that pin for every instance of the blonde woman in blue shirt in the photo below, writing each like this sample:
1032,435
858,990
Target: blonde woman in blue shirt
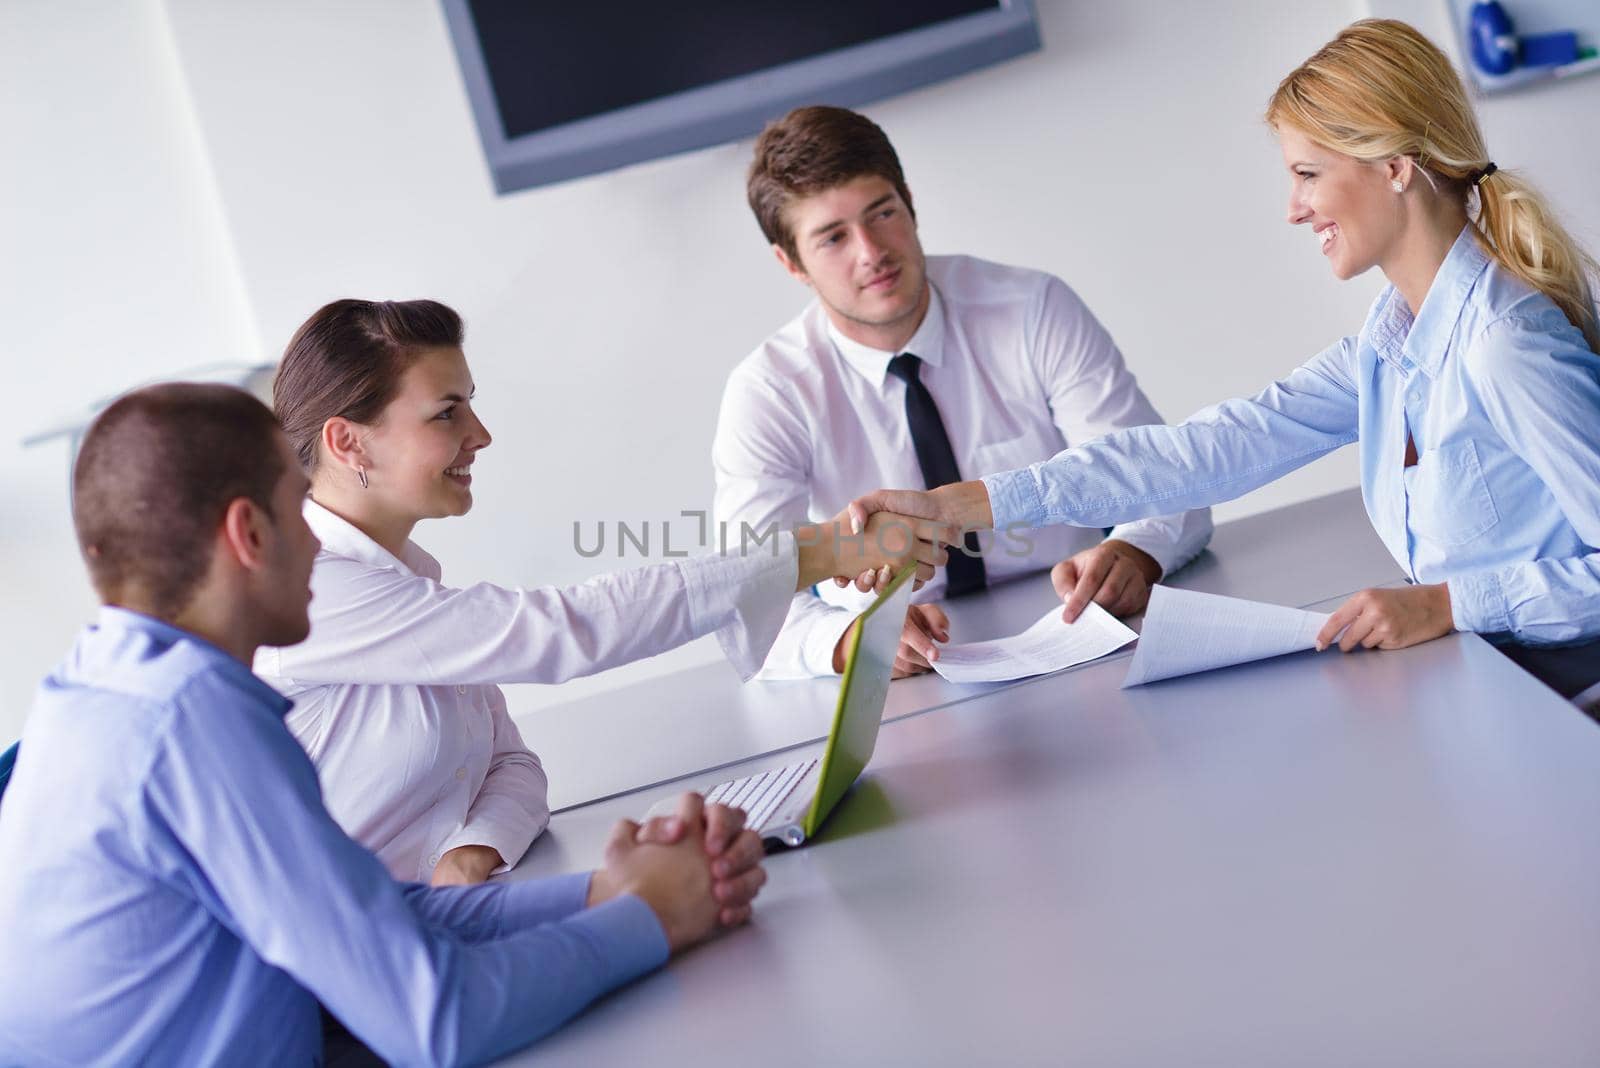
1473,389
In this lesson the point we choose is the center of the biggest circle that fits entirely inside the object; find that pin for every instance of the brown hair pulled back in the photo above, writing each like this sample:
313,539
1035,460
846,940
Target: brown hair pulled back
347,359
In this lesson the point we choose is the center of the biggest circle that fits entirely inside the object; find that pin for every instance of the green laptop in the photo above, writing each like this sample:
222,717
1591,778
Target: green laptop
787,805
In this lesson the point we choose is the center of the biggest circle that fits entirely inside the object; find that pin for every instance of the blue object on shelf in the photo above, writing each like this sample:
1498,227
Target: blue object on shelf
1549,49
1497,50
1494,41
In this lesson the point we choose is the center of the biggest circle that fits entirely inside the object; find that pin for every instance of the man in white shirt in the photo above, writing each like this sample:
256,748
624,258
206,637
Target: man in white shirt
908,370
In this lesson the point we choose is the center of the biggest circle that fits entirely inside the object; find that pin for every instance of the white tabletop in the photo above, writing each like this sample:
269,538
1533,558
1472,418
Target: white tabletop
1377,859
703,718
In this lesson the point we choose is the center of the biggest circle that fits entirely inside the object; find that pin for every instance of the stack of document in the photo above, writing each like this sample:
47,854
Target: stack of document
1048,645
1186,632
1183,633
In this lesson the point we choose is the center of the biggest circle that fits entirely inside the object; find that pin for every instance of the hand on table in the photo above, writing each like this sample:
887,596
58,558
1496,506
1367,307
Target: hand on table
466,865
926,624
1390,619
732,853
1114,575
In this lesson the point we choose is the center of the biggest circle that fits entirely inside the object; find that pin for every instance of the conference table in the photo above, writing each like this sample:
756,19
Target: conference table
1374,858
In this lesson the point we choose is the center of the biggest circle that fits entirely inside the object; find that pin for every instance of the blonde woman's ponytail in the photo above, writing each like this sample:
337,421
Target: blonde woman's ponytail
1522,233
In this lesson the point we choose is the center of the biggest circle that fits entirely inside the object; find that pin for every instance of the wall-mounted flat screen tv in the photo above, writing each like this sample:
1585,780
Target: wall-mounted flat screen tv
561,90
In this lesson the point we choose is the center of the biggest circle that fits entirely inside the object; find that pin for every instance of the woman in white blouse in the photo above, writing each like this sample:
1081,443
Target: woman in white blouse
395,695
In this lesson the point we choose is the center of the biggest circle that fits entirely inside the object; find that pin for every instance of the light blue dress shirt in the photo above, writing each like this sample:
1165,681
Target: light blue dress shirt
173,891
1500,393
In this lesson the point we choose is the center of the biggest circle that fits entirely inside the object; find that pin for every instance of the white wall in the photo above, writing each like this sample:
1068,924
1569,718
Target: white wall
1546,131
114,267
604,314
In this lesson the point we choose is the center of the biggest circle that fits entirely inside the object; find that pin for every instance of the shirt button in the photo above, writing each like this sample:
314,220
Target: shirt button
461,773
434,860
461,690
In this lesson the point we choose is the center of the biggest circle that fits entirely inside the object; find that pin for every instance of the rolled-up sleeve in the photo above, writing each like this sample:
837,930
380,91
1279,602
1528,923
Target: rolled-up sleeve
1215,455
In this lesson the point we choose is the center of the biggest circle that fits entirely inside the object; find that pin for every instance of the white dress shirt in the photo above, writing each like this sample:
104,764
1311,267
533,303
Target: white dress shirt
1020,370
395,695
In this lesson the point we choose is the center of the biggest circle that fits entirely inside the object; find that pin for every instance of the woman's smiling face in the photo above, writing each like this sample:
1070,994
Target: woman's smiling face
423,446
1350,206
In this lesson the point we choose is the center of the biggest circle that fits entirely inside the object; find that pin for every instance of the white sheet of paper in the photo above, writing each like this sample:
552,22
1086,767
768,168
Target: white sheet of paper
1185,632
1048,645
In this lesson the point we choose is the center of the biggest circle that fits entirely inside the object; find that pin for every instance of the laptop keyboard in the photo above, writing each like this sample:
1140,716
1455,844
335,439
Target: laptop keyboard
760,795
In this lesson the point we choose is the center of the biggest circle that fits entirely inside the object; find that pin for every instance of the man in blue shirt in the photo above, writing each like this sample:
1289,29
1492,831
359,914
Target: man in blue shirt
173,890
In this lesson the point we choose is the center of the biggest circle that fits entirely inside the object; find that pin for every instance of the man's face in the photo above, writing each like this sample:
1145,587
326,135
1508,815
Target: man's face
284,586
858,249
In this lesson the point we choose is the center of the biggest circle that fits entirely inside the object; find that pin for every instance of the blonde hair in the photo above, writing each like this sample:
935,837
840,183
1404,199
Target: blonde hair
1381,89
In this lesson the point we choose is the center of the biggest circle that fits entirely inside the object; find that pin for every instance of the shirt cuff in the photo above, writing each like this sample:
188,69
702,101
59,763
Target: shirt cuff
510,838
1478,603
627,938
816,651
1153,543
1014,499
534,901
745,597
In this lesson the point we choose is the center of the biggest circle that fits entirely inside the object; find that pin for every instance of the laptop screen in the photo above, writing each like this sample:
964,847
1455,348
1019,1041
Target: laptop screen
861,697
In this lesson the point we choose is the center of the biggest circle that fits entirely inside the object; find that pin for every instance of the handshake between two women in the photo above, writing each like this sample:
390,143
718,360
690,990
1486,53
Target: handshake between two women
888,519
872,549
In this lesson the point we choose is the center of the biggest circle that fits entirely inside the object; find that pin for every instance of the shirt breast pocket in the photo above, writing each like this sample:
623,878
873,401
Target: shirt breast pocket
998,456
1450,500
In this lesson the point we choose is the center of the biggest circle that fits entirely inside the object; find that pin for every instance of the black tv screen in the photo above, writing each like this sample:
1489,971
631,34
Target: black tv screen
553,63
560,90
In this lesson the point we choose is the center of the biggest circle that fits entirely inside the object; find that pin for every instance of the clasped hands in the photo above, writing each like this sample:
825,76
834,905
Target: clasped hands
699,869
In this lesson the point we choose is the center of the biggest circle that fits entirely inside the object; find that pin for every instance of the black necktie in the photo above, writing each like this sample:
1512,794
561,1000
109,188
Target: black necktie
937,459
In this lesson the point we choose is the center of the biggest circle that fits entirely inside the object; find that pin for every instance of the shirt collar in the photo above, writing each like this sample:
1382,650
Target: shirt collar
112,619
927,344
343,538
1421,340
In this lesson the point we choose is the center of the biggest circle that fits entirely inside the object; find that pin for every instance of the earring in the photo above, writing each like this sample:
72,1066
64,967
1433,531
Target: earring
361,473
1398,186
